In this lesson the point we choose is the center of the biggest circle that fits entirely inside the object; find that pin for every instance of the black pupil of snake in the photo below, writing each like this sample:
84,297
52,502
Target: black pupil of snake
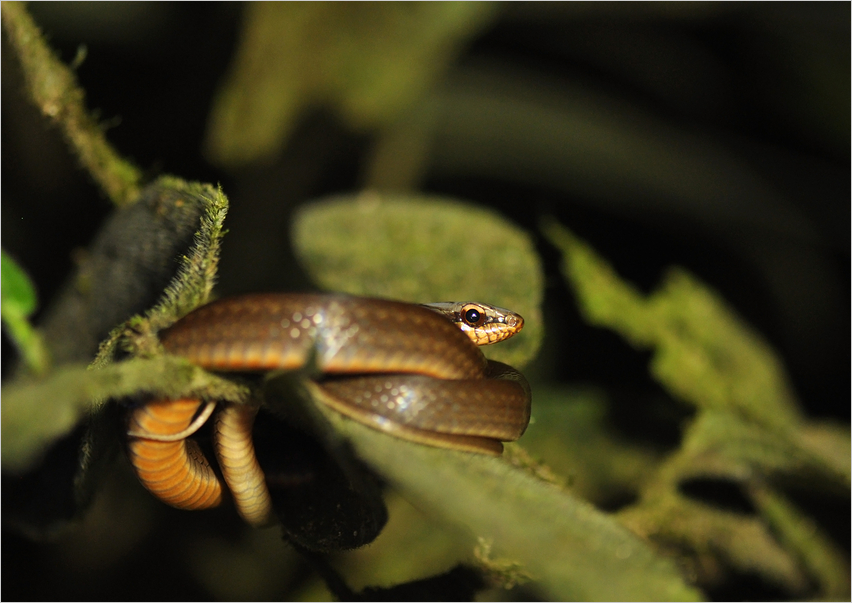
472,316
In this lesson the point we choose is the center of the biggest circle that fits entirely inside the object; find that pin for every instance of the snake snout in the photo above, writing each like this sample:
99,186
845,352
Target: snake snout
515,322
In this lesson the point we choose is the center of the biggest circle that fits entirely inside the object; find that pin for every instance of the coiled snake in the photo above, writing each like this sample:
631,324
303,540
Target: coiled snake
410,372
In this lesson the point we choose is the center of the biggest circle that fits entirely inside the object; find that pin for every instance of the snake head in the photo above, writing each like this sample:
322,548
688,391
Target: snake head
483,323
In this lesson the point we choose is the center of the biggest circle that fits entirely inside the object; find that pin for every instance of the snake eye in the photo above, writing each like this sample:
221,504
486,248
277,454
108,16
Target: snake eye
473,317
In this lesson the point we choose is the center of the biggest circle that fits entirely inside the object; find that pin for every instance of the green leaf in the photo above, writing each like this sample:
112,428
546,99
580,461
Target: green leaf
425,249
18,293
572,550
388,560
17,301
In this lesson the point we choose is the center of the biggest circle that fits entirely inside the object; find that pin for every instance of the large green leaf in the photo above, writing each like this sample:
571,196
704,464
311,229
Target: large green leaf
571,431
425,249
572,550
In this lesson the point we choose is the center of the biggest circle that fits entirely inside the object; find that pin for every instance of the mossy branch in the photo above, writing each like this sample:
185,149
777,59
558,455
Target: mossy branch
53,88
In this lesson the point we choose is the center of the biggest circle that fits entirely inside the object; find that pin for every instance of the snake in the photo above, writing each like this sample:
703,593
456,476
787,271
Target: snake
412,370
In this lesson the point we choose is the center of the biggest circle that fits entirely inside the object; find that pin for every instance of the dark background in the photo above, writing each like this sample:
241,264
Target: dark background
768,82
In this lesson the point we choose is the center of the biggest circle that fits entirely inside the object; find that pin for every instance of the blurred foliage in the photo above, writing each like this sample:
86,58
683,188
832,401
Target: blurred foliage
369,61
718,129
746,429
703,354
